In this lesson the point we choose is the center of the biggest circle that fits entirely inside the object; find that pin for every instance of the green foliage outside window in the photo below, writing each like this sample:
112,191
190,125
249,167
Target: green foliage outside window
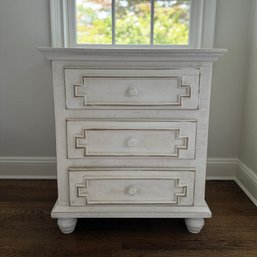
132,22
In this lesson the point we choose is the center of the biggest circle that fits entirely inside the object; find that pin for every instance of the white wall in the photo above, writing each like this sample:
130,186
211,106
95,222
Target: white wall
248,145
26,101
232,29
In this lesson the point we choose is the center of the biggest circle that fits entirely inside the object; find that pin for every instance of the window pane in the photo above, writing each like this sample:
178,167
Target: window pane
132,21
94,21
171,22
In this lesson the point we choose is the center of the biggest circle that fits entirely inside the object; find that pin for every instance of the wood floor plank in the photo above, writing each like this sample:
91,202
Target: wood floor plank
26,229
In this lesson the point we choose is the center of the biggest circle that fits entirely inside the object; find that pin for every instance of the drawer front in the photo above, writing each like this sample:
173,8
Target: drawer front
112,187
175,89
87,138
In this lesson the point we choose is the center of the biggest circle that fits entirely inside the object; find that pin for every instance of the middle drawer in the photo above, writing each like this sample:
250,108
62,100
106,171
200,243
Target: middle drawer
99,138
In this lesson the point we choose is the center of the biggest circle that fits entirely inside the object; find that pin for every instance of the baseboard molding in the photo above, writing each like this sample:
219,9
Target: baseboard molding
247,180
221,168
27,168
45,168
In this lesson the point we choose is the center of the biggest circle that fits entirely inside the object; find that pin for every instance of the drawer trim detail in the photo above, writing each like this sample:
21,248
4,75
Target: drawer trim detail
80,90
132,89
83,190
101,138
81,143
90,187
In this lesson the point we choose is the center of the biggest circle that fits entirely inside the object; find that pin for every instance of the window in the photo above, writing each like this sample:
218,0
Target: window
173,23
132,22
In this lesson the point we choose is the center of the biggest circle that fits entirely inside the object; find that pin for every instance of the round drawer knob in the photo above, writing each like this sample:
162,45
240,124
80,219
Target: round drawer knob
132,190
132,142
132,91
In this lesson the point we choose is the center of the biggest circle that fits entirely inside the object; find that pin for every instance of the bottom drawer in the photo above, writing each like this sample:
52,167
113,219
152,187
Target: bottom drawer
130,187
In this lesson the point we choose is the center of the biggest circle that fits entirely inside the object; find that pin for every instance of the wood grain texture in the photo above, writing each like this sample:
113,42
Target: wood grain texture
26,228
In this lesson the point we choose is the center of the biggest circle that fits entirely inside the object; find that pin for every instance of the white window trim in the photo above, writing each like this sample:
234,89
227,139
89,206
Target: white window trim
201,32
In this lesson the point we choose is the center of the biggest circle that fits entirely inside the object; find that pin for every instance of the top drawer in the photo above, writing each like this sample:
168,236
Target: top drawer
108,89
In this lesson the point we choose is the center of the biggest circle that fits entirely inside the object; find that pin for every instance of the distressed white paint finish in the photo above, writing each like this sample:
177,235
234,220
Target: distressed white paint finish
127,53
173,89
119,186
122,61
67,225
128,211
194,225
87,138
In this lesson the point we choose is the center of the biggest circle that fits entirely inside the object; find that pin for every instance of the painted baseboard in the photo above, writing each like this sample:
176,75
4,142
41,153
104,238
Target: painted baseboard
221,168
45,168
247,180
27,168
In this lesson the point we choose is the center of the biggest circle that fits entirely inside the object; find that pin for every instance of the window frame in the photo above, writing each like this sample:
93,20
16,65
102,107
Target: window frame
201,31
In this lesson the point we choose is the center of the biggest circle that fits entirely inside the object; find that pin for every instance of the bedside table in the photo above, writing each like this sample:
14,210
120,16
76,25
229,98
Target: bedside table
131,133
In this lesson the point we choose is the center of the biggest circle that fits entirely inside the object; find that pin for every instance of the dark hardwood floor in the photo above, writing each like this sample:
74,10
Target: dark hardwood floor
26,228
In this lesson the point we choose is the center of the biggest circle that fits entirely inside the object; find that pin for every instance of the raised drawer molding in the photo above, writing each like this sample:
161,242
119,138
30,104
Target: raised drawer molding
130,187
131,132
131,138
173,88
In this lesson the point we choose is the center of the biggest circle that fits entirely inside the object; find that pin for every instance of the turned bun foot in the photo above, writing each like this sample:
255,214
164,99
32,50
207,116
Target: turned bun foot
194,225
67,226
